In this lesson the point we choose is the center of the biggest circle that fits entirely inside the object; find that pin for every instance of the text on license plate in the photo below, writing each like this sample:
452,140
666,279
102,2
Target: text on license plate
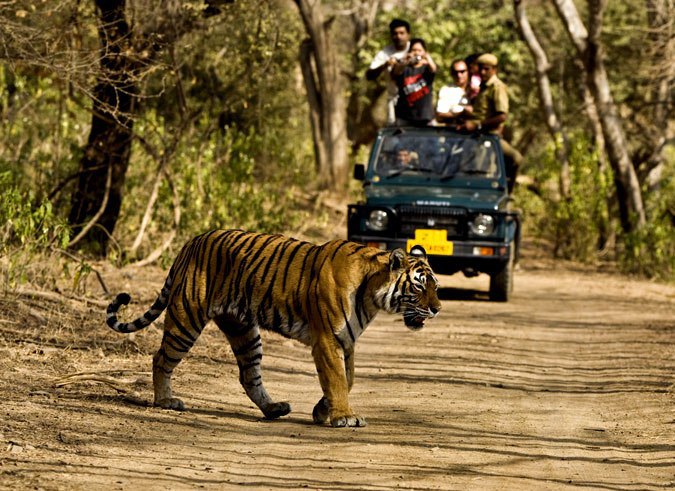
434,242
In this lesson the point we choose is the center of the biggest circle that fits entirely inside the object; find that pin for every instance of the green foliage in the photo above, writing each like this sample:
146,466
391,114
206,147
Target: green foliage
576,226
581,221
25,223
227,190
241,162
28,228
224,108
650,251
39,151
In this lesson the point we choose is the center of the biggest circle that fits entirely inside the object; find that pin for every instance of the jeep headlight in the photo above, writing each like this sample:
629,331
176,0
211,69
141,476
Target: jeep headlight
482,225
378,220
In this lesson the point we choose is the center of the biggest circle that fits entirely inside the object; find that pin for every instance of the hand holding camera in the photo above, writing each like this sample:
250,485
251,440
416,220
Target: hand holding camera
413,59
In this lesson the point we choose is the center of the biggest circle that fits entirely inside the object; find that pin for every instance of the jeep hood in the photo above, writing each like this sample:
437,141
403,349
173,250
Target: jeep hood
435,195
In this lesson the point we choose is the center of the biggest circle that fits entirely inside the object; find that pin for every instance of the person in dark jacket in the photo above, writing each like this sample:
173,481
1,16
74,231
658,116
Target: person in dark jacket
414,76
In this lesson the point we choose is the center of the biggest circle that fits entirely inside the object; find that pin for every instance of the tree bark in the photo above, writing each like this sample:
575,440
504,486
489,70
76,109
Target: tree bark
325,93
589,47
364,96
109,144
542,67
660,14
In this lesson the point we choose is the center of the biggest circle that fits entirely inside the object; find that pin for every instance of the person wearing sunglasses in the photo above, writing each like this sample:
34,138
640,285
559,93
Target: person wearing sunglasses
453,102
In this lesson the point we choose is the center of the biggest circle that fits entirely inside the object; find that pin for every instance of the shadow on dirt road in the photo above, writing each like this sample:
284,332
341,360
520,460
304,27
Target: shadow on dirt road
569,385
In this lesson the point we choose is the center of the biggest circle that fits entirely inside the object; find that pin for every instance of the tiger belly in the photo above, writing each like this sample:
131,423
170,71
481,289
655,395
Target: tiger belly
297,330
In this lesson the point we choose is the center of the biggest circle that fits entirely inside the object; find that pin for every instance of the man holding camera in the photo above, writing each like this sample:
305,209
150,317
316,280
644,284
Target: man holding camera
414,77
385,60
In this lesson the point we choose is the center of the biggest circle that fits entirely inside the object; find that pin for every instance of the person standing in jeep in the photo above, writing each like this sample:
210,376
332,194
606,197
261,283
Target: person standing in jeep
490,111
414,77
387,58
453,100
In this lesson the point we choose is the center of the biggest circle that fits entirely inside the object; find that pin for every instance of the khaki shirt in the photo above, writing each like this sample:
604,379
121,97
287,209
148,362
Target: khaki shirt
492,99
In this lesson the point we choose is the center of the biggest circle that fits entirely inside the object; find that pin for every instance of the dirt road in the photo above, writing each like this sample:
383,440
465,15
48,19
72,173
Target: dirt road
568,386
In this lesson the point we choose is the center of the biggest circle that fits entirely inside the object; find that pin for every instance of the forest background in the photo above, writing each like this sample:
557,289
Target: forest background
129,126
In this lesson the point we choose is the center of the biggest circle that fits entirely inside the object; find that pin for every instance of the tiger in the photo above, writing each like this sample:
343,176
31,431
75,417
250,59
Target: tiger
323,296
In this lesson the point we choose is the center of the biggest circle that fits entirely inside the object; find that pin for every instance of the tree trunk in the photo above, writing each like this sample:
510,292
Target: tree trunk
364,95
109,142
589,47
661,79
325,93
552,122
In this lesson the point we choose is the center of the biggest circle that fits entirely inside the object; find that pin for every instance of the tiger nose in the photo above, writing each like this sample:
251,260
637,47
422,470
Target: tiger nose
435,309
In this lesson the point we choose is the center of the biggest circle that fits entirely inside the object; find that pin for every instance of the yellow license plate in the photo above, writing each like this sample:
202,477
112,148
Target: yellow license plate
434,242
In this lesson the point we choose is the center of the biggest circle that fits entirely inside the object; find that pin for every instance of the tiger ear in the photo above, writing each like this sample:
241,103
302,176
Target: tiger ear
418,251
397,260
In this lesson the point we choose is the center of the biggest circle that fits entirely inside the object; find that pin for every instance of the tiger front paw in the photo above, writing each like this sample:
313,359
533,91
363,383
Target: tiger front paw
171,403
320,412
351,420
276,410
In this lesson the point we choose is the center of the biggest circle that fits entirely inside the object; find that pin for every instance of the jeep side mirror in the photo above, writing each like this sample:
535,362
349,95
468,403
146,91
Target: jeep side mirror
359,172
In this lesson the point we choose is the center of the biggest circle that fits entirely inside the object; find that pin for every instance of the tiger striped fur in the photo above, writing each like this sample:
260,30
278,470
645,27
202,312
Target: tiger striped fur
321,295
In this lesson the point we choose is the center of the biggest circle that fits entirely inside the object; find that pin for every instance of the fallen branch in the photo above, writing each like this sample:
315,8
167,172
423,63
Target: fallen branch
57,297
121,386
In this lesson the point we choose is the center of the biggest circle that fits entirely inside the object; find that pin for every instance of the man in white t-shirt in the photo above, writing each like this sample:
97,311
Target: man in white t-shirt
386,58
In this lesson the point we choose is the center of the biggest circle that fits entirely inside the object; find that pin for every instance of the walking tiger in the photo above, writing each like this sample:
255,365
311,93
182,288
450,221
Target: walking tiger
321,295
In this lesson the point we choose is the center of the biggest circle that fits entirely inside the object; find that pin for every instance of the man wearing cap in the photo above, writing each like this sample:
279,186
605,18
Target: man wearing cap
490,111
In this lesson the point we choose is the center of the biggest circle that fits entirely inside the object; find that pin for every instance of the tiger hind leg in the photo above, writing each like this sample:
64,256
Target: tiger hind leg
179,336
247,347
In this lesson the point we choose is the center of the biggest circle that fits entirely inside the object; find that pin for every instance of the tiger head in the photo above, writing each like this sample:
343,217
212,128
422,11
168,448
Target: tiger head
413,287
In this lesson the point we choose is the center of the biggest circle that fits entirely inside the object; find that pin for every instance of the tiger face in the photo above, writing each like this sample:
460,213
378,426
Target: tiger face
413,290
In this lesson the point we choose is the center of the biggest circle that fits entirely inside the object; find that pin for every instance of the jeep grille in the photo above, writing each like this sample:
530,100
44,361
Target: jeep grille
431,217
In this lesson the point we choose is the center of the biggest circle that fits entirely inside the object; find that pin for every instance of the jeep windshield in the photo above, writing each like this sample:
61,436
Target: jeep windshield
436,155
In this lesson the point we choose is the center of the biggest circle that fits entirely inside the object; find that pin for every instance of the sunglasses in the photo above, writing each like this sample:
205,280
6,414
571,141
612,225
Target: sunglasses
459,71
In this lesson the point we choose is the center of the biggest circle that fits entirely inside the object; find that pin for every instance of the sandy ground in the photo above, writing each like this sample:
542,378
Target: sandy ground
570,385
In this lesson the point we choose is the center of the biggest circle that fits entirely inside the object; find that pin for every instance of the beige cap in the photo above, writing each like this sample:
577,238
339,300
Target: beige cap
487,59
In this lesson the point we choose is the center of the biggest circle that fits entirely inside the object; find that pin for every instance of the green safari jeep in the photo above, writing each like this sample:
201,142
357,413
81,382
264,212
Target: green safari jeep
445,191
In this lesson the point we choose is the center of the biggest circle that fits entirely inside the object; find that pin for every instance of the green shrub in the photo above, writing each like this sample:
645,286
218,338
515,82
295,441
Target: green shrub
576,226
232,178
650,251
27,229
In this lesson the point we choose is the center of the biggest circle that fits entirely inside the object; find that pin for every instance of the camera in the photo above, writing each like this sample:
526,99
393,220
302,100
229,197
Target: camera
414,60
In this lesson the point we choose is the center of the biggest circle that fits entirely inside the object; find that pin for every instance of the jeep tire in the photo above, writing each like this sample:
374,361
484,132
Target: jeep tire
501,282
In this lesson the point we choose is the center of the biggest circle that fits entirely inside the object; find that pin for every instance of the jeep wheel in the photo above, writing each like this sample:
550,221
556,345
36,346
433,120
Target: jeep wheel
501,282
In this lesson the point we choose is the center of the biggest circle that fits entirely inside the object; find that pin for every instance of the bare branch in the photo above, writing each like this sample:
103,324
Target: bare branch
154,255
